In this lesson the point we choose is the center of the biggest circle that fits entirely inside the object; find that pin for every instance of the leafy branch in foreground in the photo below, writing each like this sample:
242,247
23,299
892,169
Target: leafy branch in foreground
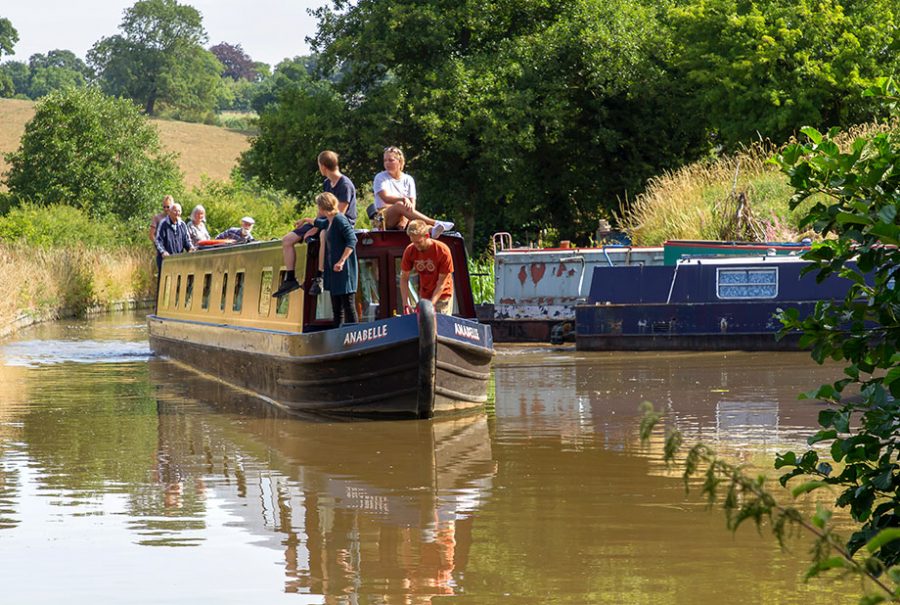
857,212
745,498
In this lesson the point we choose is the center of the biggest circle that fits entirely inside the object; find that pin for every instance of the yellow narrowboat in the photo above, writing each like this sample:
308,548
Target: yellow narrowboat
215,313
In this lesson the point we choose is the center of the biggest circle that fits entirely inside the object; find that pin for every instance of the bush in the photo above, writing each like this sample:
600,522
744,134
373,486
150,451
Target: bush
93,152
65,226
226,202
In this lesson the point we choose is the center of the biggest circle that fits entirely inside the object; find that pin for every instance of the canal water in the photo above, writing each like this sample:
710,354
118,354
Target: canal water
128,479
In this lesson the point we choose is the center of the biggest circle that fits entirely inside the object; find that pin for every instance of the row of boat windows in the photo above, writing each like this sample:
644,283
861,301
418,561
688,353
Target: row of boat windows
186,284
368,294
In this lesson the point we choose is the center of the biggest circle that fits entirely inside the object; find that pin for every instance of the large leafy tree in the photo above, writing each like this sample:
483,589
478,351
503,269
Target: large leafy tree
761,67
159,58
531,112
94,152
57,69
15,79
8,37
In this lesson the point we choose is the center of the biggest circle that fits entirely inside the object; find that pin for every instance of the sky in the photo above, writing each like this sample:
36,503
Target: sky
267,30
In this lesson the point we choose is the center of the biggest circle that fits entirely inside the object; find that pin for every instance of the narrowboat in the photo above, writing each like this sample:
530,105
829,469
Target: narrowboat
700,304
215,313
536,289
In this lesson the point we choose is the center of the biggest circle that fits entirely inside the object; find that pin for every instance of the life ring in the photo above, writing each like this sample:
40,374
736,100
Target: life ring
213,242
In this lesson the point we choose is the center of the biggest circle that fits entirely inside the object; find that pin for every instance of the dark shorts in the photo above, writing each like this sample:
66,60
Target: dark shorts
302,230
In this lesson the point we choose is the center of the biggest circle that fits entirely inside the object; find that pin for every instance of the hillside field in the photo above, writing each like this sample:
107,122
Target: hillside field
202,150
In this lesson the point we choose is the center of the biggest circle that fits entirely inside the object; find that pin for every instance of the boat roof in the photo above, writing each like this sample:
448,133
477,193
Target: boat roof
741,260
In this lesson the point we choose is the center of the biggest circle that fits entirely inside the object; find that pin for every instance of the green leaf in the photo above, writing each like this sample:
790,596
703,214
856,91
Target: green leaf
887,234
847,218
883,537
822,436
887,214
892,375
807,487
814,135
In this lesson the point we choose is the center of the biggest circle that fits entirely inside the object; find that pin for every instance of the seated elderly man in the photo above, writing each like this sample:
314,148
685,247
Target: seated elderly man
239,235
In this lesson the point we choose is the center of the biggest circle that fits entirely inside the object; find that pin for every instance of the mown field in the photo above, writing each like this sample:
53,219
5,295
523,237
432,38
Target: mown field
202,150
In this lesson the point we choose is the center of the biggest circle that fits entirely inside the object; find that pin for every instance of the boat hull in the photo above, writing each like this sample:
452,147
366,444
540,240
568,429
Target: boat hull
412,366
747,326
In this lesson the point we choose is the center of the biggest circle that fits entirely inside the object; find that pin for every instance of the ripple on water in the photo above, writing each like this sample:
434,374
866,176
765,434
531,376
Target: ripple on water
36,353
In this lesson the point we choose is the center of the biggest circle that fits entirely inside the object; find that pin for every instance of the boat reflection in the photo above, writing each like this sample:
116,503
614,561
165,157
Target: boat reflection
383,509
729,400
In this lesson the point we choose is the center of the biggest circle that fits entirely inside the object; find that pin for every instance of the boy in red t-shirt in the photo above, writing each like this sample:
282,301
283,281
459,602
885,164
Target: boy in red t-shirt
431,259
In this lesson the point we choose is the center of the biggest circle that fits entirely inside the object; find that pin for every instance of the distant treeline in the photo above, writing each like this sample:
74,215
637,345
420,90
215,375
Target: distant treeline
514,115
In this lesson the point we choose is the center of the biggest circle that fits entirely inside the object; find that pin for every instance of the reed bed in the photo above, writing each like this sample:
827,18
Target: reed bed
741,196
42,283
481,275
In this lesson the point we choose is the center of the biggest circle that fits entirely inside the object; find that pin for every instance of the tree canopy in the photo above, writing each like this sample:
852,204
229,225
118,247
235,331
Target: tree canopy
94,152
8,37
538,113
762,68
159,58
236,63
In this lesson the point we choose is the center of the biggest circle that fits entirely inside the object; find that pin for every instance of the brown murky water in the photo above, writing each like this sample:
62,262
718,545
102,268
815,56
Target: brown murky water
127,479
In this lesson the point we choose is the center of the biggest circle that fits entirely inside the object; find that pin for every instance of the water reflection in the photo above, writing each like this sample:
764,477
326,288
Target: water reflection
384,507
731,400
121,474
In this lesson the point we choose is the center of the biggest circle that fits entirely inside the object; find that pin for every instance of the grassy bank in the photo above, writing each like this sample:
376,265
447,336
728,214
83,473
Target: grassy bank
41,284
737,197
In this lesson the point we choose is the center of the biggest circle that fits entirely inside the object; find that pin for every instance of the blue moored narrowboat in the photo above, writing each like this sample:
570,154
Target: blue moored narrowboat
699,304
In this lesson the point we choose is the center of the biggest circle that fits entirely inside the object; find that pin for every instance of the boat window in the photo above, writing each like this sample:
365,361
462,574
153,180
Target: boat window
414,288
367,294
281,306
167,291
177,290
189,291
207,287
224,291
265,292
238,300
743,283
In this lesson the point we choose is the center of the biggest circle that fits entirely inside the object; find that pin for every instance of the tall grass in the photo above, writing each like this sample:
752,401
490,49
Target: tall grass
481,274
740,196
47,282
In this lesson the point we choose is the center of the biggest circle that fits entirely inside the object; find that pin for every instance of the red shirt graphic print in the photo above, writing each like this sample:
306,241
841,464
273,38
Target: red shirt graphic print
429,264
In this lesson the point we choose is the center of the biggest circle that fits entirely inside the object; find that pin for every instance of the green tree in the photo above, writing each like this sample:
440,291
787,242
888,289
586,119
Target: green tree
8,37
57,69
529,113
306,121
18,78
859,193
93,152
159,58
761,67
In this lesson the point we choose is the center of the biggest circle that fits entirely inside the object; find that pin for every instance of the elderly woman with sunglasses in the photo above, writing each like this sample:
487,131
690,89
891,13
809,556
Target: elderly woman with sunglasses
395,195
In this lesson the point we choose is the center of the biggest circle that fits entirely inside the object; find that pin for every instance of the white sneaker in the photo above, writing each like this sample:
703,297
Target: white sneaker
440,227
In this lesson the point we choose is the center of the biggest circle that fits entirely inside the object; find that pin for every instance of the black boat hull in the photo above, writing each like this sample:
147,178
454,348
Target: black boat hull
413,366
